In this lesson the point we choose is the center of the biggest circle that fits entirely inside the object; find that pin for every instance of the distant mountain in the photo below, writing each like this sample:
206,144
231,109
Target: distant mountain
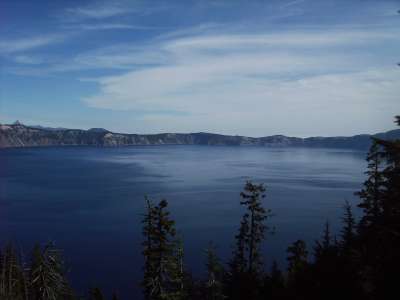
19,135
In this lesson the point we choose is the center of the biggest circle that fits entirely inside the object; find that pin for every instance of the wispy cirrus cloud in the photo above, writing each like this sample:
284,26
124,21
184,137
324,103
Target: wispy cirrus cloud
289,41
116,57
29,43
28,60
109,26
99,10
202,45
107,15
291,3
216,81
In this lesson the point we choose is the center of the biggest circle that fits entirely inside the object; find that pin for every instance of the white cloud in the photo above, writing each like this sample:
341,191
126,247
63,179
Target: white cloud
341,104
215,82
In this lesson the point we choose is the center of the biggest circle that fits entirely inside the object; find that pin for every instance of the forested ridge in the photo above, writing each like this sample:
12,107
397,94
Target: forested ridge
361,262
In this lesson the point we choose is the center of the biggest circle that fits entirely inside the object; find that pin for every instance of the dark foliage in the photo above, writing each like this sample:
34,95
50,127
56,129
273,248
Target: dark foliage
245,276
163,271
43,279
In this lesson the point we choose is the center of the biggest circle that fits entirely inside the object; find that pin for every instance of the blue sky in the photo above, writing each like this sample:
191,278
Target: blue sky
256,68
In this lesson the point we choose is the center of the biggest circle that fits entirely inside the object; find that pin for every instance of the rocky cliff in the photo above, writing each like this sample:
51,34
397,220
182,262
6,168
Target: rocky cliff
19,135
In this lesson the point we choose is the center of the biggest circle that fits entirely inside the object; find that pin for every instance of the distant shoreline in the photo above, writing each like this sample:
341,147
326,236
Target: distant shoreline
18,135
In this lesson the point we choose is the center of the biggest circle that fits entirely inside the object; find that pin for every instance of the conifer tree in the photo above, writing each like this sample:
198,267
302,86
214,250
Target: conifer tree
380,242
348,230
391,172
298,279
149,271
215,275
246,255
374,188
297,257
47,274
13,279
177,272
333,275
239,260
246,264
346,262
255,223
323,248
163,258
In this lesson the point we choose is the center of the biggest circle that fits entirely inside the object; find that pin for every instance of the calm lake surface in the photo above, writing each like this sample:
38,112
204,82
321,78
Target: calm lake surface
90,201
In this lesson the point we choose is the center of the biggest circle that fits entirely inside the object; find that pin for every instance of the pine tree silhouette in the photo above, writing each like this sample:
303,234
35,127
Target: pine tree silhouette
374,188
246,263
163,268
47,274
297,257
215,275
348,230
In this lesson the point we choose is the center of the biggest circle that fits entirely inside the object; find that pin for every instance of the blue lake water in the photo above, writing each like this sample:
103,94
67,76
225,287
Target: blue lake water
90,201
